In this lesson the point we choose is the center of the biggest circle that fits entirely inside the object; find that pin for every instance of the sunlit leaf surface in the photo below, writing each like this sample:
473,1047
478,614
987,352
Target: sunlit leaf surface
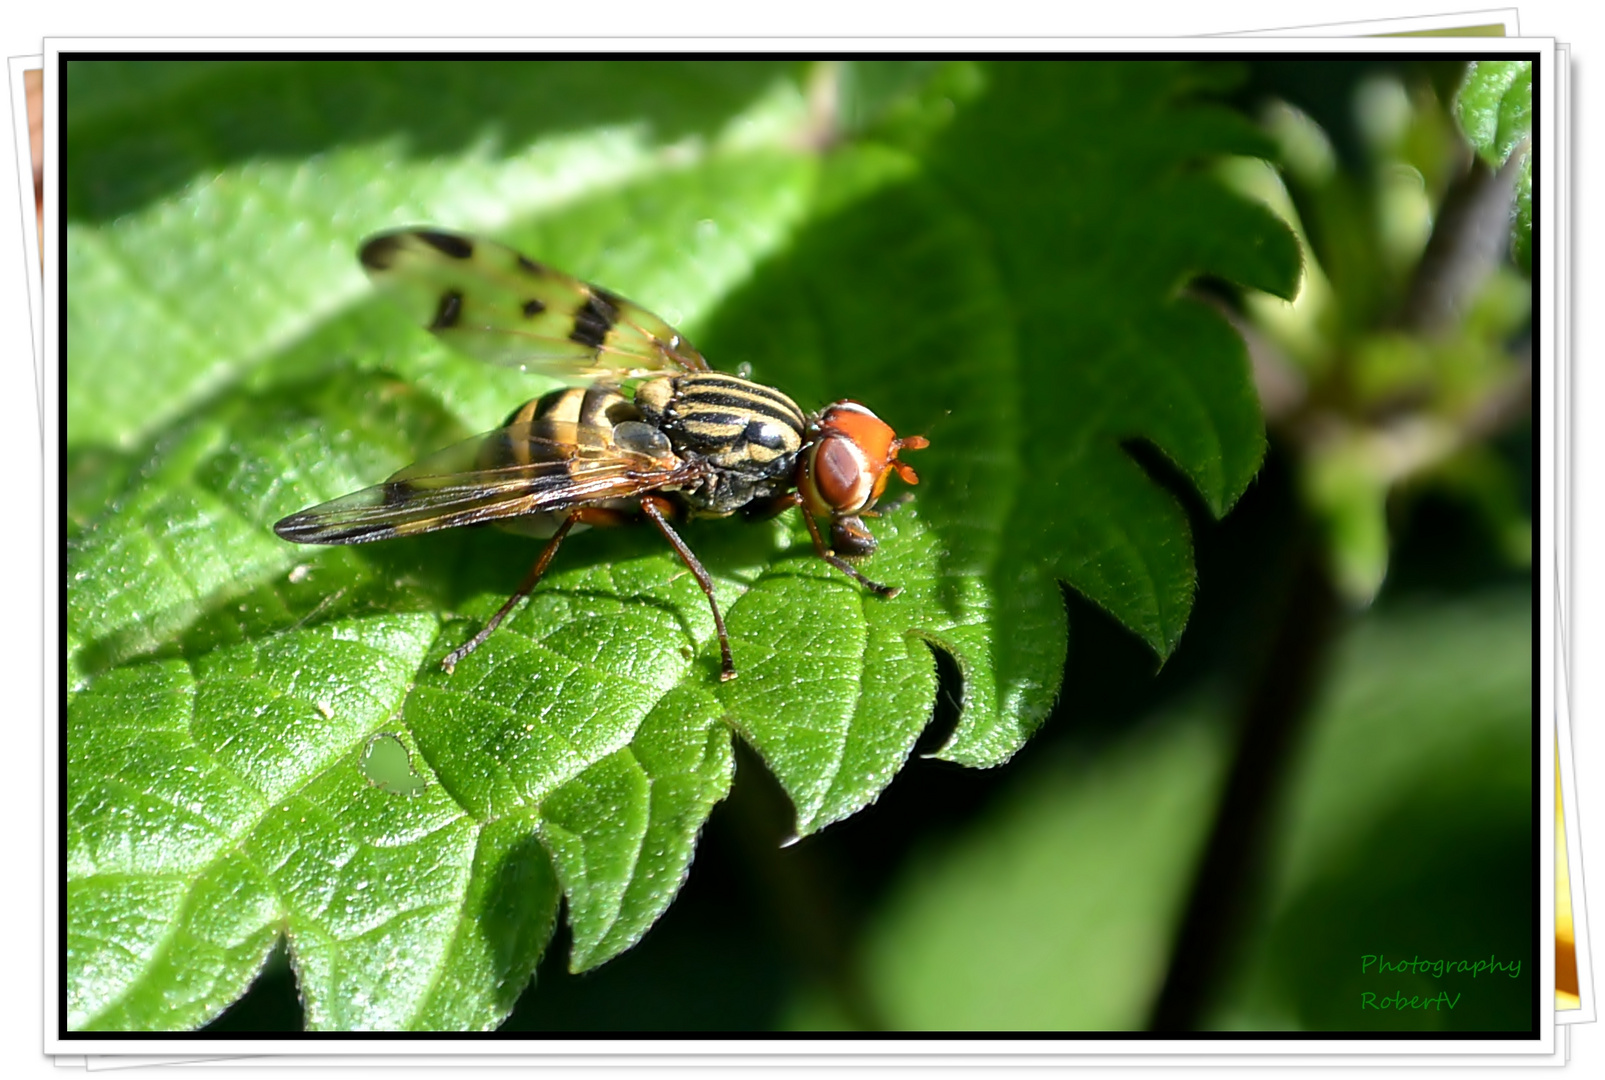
993,257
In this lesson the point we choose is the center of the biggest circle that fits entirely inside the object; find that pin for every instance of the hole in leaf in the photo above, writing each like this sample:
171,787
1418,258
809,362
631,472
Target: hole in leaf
387,765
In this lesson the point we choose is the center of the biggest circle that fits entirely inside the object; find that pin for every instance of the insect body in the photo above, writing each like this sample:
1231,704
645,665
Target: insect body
652,432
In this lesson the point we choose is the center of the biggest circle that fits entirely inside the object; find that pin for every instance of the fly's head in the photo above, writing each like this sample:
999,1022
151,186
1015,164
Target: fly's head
844,469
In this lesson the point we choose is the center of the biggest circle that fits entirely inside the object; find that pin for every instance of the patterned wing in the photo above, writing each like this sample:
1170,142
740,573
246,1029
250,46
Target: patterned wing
525,468
492,303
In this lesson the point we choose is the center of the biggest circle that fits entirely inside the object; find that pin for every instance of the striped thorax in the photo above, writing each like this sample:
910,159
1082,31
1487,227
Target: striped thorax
750,434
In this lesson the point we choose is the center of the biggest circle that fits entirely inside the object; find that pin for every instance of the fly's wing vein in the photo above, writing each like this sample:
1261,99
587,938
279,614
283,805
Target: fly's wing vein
522,469
490,302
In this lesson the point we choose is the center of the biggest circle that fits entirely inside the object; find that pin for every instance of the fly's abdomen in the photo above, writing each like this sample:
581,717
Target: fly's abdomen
558,413
579,417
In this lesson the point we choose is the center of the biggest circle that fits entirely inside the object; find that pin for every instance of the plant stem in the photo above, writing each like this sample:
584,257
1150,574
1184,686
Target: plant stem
1274,717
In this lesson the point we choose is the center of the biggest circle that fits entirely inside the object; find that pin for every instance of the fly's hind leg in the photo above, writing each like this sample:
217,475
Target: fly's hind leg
524,588
654,508
585,515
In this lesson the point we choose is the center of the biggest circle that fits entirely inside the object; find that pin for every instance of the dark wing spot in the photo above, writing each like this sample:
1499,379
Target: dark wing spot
380,252
446,243
611,299
530,265
593,321
532,308
449,311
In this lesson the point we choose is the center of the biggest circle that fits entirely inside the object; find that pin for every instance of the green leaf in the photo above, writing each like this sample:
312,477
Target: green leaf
214,805
998,268
1495,110
1103,353
1348,493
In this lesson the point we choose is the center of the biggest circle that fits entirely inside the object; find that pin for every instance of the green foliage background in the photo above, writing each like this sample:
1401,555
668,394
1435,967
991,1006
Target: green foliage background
993,256
1495,110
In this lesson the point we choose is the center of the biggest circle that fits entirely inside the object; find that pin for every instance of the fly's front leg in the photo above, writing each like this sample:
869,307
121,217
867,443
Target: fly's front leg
842,564
781,503
658,509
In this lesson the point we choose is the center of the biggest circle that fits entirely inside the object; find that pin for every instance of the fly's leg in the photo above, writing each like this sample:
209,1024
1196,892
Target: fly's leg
586,515
524,587
889,505
842,564
654,509
781,503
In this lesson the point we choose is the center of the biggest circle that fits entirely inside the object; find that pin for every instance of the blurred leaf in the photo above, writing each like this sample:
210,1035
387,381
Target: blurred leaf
963,280
1408,831
1335,211
1055,910
1495,110
1347,489
1370,400
1521,226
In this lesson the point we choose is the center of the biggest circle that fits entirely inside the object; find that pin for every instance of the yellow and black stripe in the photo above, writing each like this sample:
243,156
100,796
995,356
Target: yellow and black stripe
734,423
597,407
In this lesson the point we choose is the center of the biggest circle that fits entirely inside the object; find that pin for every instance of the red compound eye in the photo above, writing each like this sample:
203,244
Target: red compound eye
855,452
841,475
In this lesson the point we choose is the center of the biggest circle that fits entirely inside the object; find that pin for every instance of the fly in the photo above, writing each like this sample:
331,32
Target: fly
651,431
